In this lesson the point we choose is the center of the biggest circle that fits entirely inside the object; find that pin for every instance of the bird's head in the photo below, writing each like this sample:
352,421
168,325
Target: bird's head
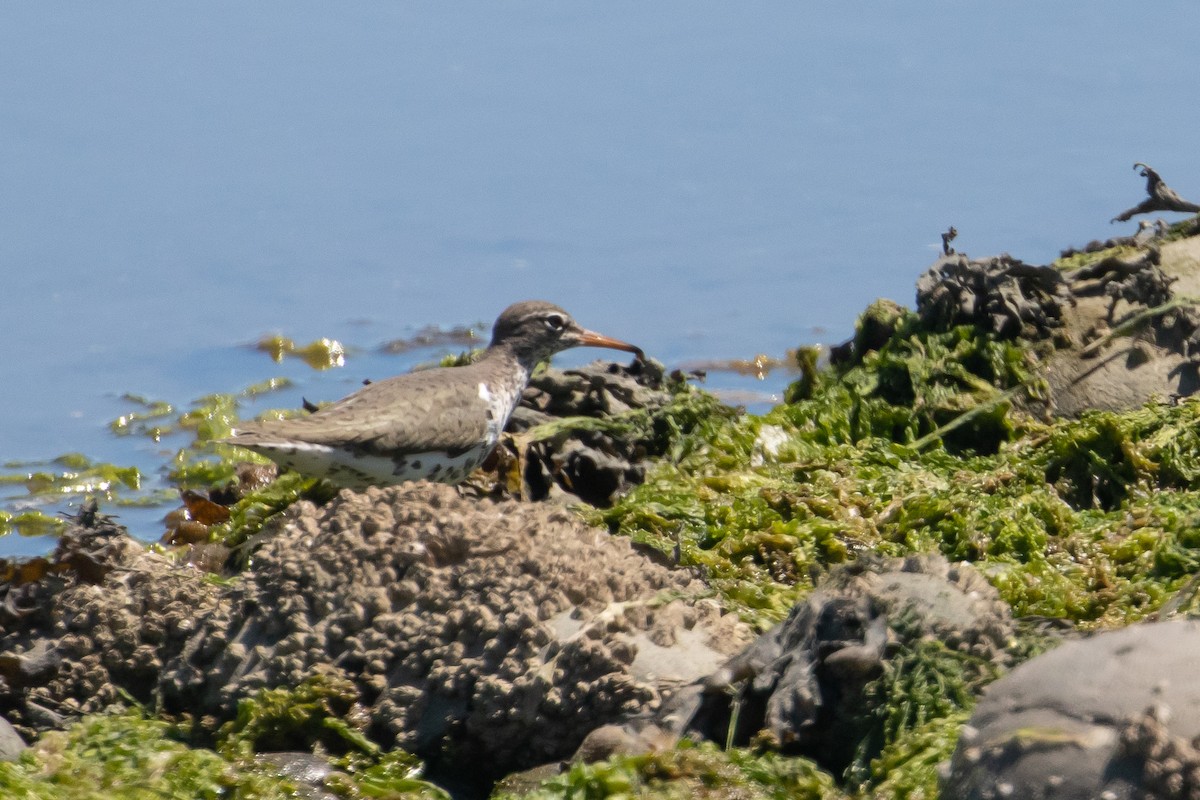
534,330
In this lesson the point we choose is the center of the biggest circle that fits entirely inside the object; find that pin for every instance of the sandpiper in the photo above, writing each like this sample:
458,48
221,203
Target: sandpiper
438,424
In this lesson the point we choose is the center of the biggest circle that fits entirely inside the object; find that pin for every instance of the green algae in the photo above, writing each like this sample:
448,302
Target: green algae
458,360
126,756
68,475
319,354
146,420
206,463
30,523
907,769
198,463
248,515
71,473
1080,258
689,770
316,713
914,384
1124,249
389,775
322,714
1092,519
925,688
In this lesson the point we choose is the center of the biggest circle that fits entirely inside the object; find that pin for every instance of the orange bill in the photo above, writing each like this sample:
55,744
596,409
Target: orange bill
592,339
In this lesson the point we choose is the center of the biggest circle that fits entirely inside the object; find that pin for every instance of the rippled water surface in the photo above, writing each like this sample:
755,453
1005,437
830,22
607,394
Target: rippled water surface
710,181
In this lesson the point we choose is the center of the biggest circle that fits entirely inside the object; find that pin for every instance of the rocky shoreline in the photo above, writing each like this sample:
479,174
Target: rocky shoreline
960,558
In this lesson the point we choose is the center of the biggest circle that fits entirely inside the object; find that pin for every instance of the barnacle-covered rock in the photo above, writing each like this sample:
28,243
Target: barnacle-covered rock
98,621
497,634
1116,715
1170,764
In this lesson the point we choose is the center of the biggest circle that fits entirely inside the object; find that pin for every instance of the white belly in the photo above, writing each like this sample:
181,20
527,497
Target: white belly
360,470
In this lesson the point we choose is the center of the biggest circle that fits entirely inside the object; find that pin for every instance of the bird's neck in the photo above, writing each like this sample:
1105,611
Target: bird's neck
506,376
511,360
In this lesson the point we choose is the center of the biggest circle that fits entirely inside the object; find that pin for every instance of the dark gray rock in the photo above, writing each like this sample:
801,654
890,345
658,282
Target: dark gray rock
1113,716
801,682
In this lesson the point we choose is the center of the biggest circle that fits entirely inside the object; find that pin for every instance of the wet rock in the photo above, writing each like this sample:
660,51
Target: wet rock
602,387
1116,716
1169,764
609,741
496,634
635,737
800,683
876,325
528,781
31,667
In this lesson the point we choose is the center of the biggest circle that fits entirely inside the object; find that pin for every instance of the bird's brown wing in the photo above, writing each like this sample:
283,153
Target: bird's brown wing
412,413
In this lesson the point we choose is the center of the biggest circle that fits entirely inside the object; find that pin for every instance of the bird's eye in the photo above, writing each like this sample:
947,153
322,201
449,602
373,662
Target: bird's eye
555,322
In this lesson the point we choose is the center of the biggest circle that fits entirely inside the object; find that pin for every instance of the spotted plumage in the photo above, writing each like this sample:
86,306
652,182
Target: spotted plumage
438,424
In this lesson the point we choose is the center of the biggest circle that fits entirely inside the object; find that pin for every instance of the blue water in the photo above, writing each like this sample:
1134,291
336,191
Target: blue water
707,180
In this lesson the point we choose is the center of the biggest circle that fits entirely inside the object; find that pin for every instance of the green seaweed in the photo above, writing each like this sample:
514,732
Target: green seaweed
322,714
68,475
30,523
315,713
319,354
71,473
923,683
1080,259
199,463
1090,519
248,515
145,421
387,775
907,769
689,770
1077,259
127,757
